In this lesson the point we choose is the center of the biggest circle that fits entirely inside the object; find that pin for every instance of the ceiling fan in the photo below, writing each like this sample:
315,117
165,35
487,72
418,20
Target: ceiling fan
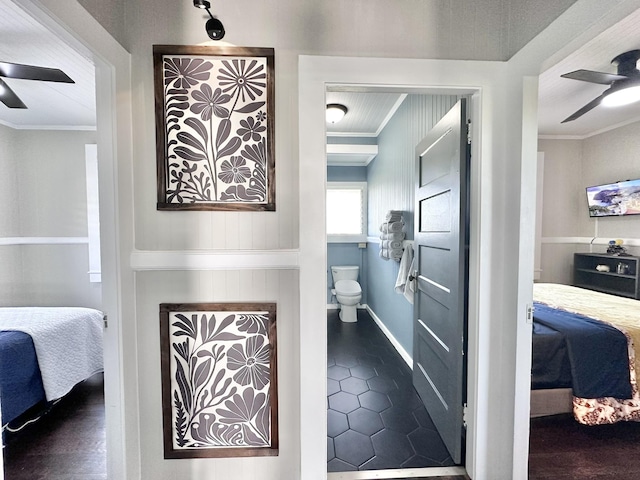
624,86
26,72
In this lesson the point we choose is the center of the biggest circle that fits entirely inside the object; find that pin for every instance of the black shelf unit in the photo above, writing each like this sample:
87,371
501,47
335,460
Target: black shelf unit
625,284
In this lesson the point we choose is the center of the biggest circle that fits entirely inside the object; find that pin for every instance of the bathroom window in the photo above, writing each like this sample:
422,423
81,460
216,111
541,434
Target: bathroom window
347,212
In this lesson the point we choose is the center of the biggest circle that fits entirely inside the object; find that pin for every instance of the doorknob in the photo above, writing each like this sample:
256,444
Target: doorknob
413,275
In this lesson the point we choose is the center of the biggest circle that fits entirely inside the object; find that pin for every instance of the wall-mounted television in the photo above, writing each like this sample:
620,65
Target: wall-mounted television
614,199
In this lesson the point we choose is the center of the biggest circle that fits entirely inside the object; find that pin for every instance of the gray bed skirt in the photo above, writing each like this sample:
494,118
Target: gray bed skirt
551,402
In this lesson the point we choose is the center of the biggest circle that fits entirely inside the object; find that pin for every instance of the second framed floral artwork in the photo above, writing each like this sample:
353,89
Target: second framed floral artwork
214,127
219,379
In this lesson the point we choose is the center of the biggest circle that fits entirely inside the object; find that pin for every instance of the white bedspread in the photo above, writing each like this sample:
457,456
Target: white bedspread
68,343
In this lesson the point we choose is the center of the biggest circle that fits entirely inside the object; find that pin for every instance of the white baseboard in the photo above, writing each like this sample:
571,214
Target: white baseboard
403,353
397,473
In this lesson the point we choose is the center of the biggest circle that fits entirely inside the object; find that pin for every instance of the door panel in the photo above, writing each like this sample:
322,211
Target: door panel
441,247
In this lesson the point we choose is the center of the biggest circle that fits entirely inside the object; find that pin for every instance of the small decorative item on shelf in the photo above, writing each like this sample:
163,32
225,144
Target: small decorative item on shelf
616,248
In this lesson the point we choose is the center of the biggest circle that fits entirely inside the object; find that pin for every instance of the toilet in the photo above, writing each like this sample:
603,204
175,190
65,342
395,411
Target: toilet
347,291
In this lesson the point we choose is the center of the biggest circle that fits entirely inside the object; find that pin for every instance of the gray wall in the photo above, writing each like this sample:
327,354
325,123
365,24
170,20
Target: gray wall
569,167
391,186
44,195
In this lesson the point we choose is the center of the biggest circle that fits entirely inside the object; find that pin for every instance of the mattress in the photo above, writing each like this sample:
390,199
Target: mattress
623,315
67,342
21,384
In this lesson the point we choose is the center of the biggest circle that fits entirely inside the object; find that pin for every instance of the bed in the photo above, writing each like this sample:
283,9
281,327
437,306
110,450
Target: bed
583,358
44,353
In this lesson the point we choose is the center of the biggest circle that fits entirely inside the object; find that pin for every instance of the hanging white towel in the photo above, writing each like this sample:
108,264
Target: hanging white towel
410,286
404,271
395,254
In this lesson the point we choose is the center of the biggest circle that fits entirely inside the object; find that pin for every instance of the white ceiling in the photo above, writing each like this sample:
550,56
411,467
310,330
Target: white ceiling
560,97
50,105
56,105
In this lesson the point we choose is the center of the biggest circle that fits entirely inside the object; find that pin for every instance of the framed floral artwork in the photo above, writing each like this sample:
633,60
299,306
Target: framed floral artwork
214,109
219,379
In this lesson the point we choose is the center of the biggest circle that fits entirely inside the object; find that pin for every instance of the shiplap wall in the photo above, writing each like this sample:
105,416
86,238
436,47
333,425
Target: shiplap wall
280,286
391,186
44,195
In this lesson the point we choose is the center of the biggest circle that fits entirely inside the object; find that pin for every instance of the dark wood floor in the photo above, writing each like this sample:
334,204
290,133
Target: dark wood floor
69,444
563,449
66,444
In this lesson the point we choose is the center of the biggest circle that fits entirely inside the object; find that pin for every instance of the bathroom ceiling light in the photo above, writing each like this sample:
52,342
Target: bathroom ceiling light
214,27
335,112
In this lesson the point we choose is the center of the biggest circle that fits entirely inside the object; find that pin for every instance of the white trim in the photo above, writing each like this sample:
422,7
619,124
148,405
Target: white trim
631,242
396,344
391,113
345,152
142,260
44,240
93,212
590,134
397,473
84,128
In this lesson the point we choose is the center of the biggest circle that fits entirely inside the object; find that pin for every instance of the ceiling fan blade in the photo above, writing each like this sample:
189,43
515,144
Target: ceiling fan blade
589,106
593,77
30,72
9,98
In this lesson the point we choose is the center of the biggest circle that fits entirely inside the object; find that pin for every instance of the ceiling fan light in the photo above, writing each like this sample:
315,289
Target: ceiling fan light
335,112
623,96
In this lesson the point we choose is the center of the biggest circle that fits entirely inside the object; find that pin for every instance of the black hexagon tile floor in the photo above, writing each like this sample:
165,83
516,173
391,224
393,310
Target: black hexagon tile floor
375,419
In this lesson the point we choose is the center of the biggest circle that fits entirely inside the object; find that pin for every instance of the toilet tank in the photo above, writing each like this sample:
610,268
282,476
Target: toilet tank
344,272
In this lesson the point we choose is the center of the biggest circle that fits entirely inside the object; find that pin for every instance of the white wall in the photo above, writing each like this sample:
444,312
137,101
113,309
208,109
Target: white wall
571,166
342,27
45,197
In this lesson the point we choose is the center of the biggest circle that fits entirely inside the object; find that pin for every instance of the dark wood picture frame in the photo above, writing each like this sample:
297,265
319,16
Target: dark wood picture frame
215,127
219,379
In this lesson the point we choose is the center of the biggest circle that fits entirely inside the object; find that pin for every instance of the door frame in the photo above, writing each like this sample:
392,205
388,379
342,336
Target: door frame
79,29
419,76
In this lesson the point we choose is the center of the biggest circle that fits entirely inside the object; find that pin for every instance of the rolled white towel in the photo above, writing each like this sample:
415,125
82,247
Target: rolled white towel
392,236
392,227
384,244
394,244
394,216
395,253
384,253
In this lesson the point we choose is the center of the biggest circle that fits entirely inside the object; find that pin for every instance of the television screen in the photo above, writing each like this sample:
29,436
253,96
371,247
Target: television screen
614,199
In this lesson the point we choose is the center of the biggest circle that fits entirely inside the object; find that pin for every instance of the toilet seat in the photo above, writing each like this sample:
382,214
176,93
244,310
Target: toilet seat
348,288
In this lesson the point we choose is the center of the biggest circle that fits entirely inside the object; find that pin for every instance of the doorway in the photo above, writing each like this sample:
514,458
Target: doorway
76,27
359,390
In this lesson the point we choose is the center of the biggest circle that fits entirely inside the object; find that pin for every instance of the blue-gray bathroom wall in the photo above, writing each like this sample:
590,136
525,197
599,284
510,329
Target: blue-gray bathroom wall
346,174
391,186
346,253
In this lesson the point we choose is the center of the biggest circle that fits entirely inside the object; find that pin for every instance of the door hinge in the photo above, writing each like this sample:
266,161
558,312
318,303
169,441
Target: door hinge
106,323
464,414
468,132
530,310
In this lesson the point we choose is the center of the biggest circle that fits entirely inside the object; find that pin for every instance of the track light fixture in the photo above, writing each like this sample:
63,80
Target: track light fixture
214,27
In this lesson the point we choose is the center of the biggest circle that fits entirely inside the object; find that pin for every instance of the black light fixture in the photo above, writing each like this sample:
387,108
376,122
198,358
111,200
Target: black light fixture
214,27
